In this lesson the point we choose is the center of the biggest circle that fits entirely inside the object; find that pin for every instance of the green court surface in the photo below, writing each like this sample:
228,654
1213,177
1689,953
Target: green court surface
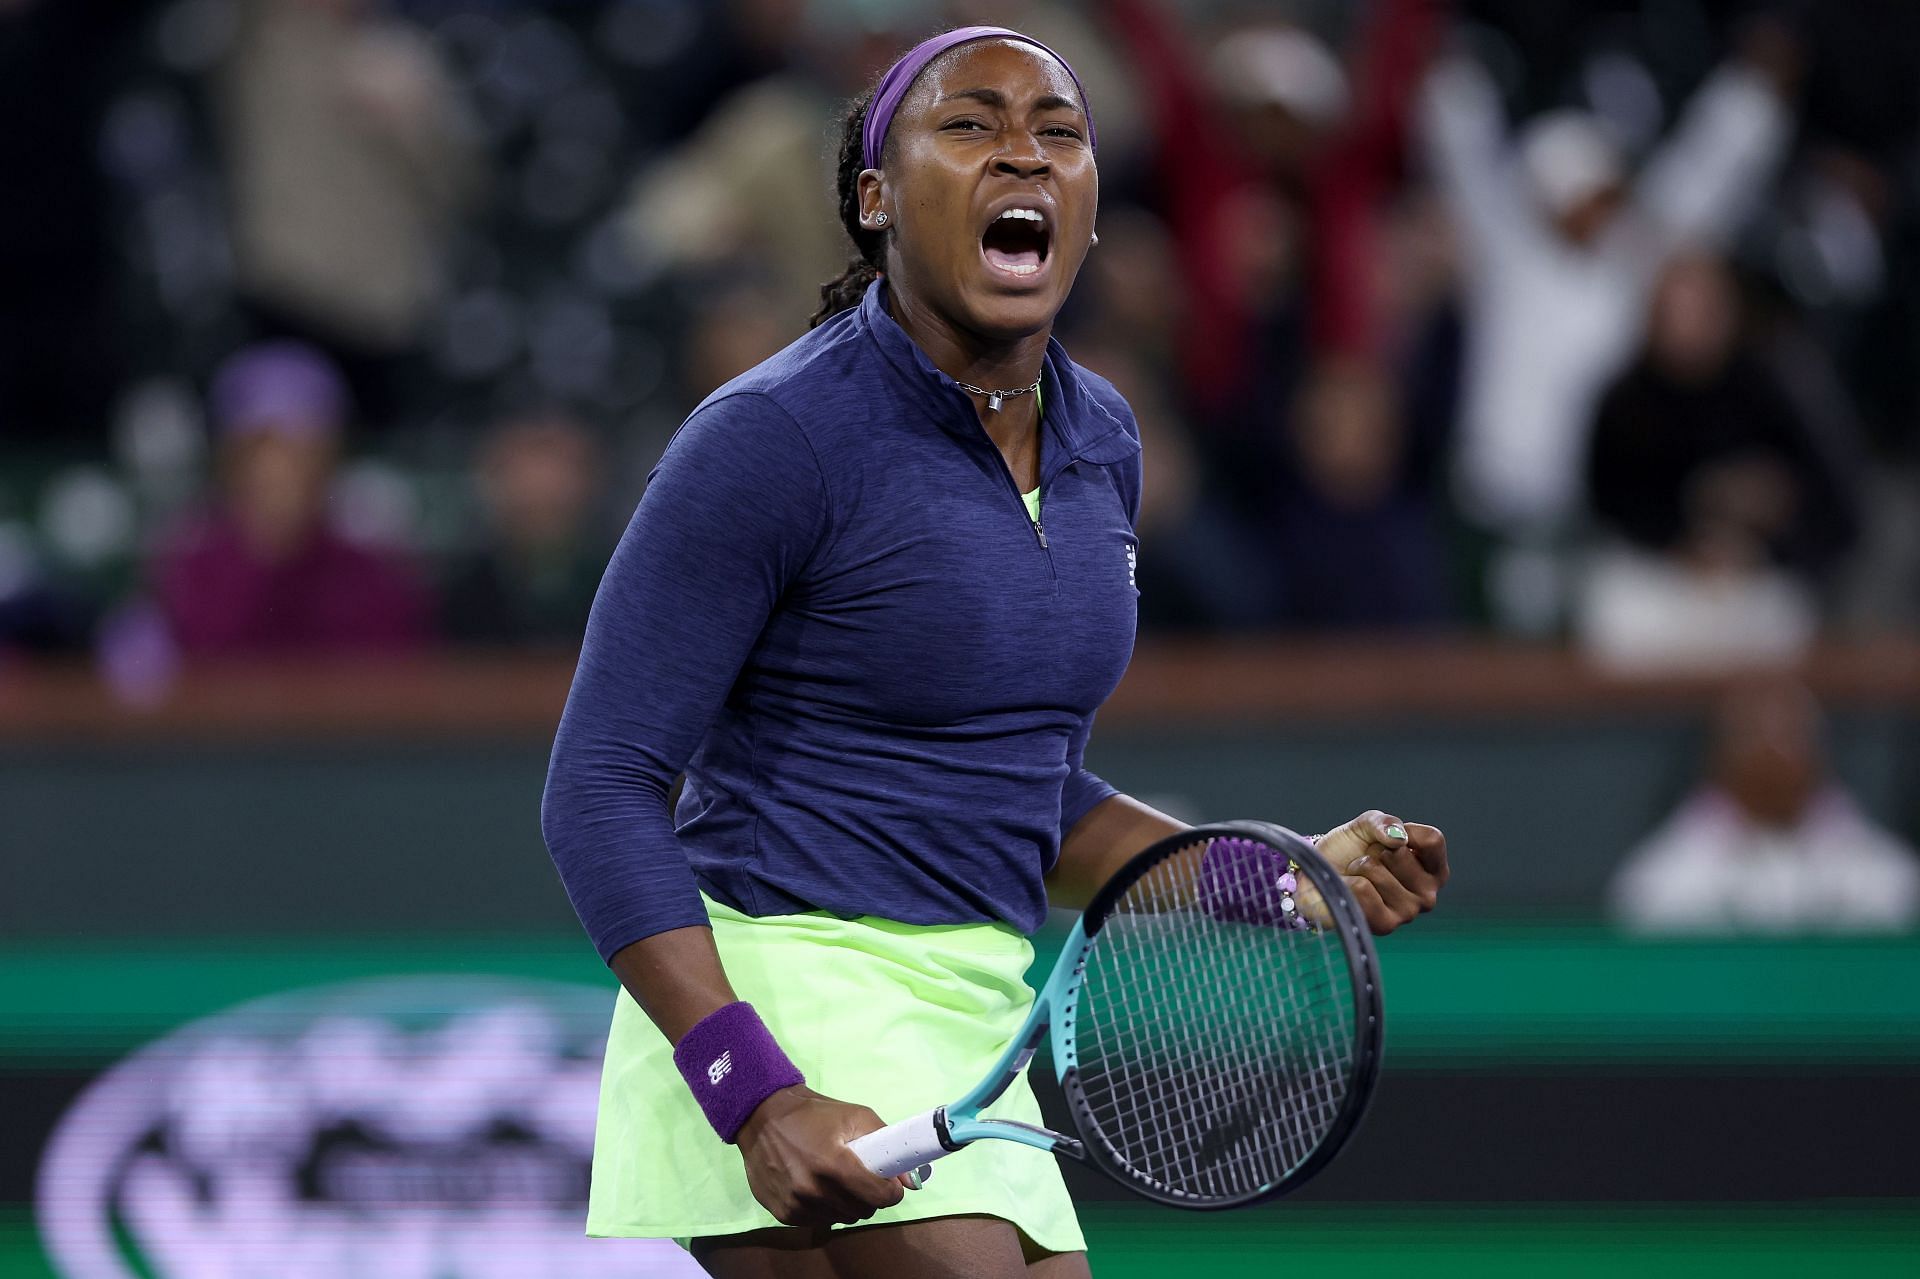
1458,996
1488,1243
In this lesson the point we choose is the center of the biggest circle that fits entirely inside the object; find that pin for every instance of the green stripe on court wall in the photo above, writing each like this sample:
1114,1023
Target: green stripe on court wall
1453,997
1592,995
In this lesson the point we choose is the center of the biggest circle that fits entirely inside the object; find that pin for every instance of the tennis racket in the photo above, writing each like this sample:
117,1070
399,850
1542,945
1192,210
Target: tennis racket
1216,1027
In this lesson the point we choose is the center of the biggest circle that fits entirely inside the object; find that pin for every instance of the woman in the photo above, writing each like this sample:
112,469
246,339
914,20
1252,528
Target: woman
840,611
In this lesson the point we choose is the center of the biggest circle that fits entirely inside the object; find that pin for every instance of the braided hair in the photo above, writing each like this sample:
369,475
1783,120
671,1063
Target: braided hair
845,292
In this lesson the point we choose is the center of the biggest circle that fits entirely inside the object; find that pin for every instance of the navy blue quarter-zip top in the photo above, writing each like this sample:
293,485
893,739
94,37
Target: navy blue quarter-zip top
1013,486
878,685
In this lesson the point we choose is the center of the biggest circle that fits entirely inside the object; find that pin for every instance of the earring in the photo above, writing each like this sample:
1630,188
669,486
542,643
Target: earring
1095,240
879,219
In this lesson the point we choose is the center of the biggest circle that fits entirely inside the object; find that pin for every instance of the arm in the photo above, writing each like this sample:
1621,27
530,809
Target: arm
729,518
413,110
675,977
1100,829
1350,182
795,1141
1100,843
1395,877
1703,180
1464,130
1201,174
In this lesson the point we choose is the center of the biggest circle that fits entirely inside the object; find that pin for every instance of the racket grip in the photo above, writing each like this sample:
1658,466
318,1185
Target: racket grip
904,1146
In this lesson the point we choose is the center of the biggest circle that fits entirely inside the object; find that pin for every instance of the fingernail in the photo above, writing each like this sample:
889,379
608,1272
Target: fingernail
1396,831
1357,865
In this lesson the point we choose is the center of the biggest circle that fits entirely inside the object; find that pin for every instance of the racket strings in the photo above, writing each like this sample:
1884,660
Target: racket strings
1213,1056
1223,1084
1229,1082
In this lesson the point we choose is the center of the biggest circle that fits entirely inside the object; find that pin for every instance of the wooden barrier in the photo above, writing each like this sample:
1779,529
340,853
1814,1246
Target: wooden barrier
1242,681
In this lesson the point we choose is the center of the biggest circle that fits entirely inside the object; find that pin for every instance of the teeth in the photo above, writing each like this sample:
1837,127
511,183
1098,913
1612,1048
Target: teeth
1028,215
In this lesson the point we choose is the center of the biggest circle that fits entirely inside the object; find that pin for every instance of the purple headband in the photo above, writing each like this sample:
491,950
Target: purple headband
900,76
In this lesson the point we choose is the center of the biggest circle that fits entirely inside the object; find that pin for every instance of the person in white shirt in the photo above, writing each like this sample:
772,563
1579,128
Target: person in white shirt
1772,843
1561,252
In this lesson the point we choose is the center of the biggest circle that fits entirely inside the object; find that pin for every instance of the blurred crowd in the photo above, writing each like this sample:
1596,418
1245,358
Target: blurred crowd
349,325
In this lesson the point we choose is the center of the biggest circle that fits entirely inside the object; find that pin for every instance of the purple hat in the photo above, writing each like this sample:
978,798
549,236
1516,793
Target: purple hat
285,387
900,76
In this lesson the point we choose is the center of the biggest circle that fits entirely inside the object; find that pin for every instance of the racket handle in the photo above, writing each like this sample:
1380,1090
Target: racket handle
905,1146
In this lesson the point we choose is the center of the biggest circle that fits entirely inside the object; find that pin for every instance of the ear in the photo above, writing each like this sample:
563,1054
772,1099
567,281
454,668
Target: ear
873,195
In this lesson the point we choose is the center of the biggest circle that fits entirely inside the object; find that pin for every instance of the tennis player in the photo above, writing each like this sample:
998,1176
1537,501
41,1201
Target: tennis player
869,603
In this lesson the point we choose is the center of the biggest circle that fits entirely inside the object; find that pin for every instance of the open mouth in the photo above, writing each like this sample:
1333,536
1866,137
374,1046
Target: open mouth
1016,242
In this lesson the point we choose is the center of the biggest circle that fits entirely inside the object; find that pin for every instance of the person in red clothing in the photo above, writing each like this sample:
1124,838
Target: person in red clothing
1275,133
262,570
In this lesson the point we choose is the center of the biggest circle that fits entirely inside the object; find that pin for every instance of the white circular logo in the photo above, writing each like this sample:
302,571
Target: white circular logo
406,1128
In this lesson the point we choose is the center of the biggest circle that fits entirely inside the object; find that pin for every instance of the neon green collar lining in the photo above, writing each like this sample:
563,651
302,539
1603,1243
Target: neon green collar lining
1033,499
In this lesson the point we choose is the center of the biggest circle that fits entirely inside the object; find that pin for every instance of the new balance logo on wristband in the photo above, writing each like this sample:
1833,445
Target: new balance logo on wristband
731,1045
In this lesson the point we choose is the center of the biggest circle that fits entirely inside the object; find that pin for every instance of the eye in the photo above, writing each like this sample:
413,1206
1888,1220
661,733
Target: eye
1062,131
966,124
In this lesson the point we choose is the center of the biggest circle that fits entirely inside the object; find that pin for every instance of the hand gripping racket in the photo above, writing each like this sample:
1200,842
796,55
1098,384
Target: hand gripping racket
1216,1026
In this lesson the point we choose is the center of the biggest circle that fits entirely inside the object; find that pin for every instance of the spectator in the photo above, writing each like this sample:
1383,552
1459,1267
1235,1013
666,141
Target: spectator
533,581
1273,148
1126,321
1350,531
1273,159
1561,253
729,329
1721,503
1771,843
263,571
349,156
741,195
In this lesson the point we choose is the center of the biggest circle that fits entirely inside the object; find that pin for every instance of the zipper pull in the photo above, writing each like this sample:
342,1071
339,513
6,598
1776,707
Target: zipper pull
1041,534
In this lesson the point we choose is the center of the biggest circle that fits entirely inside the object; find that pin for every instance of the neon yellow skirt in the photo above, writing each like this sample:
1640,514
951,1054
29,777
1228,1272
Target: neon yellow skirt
899,1017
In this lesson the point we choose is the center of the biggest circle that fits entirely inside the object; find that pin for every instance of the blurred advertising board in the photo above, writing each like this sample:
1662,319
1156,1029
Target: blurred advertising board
418,1127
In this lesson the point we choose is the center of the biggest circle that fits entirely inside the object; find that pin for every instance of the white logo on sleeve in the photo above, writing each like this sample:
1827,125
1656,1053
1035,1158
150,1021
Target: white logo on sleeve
718,1068
1133,559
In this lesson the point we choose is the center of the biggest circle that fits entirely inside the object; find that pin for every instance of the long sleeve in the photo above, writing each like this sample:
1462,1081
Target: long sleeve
1703,180
1201,178
730,516
1364,164
1466,142
1084,791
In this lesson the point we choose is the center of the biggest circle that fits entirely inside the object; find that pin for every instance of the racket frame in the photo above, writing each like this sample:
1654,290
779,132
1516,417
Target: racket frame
1349,924
1050,1016
933,1134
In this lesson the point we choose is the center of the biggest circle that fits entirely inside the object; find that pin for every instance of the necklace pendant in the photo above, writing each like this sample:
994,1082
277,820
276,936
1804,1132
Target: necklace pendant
993,402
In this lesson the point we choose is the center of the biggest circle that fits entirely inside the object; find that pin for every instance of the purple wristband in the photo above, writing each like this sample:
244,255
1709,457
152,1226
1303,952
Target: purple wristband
1245,882
731,1063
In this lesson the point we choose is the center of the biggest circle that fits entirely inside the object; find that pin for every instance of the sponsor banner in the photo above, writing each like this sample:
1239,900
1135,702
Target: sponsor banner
424,1127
